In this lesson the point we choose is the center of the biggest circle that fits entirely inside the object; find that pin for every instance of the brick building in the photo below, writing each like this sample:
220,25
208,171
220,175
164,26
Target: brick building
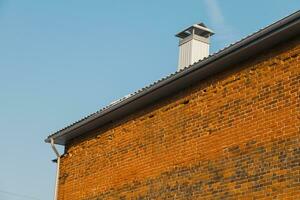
225,127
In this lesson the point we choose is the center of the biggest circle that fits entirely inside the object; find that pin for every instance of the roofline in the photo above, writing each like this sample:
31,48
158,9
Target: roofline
272,35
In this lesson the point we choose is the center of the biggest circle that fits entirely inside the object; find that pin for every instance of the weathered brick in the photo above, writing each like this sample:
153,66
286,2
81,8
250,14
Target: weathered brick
233,136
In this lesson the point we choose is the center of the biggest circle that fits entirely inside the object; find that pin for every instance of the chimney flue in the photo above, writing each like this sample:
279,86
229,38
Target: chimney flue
193,44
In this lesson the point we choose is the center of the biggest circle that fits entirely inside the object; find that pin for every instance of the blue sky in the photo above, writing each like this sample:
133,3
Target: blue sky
62,60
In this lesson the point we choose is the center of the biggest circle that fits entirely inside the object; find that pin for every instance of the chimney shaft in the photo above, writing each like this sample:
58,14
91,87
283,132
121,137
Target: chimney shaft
193,44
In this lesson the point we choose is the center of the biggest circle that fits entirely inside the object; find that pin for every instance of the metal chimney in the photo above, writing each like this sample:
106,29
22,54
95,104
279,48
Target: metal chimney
193,44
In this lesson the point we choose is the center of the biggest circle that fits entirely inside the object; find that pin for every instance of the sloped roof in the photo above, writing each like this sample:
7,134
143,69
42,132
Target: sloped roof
251,45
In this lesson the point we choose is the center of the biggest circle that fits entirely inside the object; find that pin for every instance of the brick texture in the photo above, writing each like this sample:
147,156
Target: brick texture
235,135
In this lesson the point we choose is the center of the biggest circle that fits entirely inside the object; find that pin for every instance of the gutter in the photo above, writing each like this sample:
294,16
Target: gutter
57,168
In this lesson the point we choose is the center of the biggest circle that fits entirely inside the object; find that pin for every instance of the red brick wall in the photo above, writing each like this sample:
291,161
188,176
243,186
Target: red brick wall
235,135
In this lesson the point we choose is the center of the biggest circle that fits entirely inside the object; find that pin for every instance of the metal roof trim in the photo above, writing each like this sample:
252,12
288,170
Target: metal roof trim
204,67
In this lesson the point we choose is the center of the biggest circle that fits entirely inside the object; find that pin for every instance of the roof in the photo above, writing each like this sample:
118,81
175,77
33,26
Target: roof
276,33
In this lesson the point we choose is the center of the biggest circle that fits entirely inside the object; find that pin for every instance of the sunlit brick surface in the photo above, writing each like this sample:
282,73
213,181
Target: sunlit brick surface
235,135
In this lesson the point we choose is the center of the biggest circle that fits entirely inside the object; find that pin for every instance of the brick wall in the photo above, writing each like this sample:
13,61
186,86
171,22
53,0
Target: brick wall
234,136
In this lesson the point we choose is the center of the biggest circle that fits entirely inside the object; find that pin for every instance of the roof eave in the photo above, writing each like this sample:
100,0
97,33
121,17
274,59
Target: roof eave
272,35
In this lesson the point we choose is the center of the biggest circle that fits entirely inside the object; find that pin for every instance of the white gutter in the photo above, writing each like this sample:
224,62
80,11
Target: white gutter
57,168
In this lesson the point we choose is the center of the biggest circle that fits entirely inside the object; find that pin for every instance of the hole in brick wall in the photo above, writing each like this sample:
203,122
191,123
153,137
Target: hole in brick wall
110,137
204,90
169,108
286,59
273,64
295,55
147,117
186,102
150,116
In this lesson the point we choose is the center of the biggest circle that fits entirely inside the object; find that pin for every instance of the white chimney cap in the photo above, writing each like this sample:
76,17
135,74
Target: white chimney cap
193,44
199,29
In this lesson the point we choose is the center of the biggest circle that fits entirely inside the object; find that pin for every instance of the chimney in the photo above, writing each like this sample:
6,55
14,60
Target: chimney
193,44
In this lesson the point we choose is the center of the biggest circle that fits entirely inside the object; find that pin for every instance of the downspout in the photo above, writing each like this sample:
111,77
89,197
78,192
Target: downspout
57,167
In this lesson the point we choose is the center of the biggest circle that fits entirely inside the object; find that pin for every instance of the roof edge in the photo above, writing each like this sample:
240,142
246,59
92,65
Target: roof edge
273,34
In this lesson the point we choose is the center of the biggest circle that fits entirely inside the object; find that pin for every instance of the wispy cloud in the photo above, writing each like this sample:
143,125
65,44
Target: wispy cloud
225,33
